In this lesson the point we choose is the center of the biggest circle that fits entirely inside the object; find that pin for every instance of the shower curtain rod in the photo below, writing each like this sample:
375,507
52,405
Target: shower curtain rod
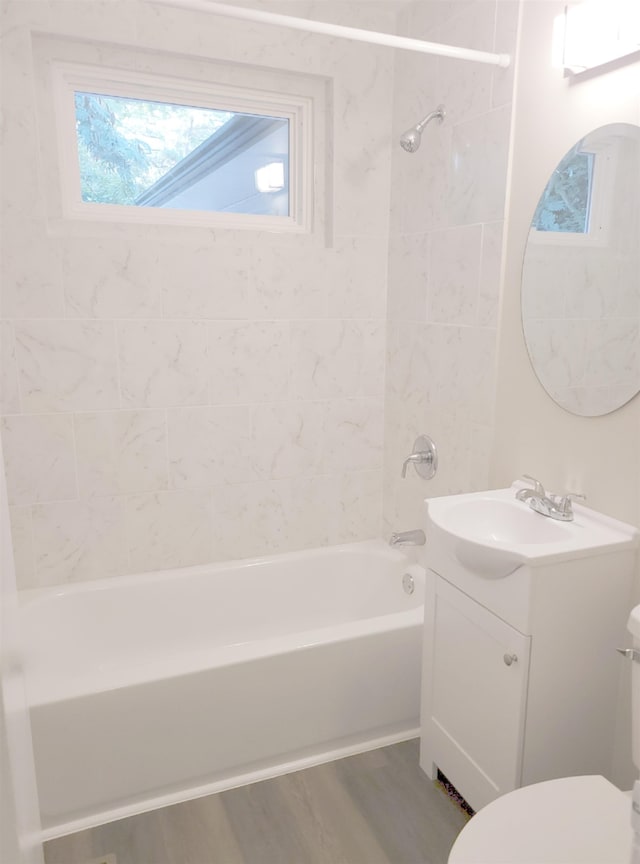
371,36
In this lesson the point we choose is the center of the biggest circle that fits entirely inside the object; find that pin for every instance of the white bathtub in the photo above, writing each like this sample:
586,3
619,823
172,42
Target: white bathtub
156,688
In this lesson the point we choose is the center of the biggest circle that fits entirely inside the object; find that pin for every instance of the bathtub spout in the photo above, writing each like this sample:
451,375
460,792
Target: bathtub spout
408,538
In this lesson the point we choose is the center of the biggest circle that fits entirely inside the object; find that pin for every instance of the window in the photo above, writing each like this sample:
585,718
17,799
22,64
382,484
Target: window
137,147
154,154
565,204
575,208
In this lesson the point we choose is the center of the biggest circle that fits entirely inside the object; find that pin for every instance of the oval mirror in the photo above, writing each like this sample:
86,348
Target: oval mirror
581,275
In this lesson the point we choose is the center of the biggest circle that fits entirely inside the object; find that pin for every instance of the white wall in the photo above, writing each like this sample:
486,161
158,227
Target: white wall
598,456
170,395
19,812
445,249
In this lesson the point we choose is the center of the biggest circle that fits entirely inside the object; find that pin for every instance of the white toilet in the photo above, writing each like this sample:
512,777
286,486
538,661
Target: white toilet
574,820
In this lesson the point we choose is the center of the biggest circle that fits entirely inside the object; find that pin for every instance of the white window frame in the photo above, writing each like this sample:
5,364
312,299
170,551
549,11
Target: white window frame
69,78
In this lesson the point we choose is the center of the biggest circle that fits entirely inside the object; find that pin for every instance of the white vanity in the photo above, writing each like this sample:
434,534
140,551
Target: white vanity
522,618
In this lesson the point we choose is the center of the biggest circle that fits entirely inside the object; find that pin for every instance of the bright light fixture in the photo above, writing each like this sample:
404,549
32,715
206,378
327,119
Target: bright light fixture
599,31
270,178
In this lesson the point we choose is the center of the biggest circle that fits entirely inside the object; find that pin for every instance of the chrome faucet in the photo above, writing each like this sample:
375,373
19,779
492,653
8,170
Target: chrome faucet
416,459
408,538
537,491
546,503
424,457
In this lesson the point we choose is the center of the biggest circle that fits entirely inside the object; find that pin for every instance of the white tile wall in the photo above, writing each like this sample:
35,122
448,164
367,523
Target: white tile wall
173,395
66,365
445,254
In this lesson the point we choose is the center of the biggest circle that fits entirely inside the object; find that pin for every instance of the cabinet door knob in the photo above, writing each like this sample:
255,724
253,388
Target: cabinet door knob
630,654
510,658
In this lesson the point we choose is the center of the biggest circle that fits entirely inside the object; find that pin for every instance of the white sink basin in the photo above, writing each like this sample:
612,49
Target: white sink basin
492,533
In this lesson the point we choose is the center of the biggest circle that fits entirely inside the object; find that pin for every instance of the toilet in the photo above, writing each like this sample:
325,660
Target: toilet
573,820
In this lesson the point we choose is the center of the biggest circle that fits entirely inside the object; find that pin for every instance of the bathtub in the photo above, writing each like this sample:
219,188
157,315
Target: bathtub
152,689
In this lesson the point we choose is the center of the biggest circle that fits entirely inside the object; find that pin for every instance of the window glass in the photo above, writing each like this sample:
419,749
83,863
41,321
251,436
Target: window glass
566,202
145,153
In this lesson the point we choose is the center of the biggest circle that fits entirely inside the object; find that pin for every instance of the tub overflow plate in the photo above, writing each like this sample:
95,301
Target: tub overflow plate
408,584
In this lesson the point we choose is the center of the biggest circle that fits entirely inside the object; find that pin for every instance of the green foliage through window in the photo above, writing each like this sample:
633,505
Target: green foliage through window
125,145
566,200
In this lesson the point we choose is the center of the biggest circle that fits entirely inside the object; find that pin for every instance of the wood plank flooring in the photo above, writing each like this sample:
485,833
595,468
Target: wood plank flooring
373,808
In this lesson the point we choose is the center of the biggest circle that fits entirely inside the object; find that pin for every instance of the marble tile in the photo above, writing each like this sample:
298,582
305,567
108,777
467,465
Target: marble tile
559,350
591,284
114,20
356,513
425,17
411,103
121,452
168,529
66,365
362,163
479,449
356,284
372,374
506,34
336,358
449,358
250,519
546,273
21,201
39,458
79,540
110,278
455,273
310,508
31,283
479,154
613,355
480,374
593,401
414,358
623,298
248,361
163,363
22,543
409,268
210,446
426,181
451,430
354,438
9,395
490,268
267,355
290,281
287,440
466,87
204,280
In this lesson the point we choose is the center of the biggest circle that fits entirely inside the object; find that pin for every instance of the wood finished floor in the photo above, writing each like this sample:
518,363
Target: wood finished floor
374,808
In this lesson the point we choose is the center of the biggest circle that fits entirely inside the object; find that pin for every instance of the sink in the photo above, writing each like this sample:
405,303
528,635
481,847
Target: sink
493,534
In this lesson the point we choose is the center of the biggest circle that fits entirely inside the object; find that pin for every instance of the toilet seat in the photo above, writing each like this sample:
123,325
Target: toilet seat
574,820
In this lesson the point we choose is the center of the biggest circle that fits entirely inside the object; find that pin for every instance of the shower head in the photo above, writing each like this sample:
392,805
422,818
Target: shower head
410,141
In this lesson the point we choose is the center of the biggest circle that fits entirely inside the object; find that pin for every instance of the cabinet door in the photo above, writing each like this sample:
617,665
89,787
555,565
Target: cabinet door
478,697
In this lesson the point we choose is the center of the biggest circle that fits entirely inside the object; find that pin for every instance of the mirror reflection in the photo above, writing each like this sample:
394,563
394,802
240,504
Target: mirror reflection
581,275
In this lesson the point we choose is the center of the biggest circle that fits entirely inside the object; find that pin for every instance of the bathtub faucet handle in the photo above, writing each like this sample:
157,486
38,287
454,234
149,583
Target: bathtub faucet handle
424,458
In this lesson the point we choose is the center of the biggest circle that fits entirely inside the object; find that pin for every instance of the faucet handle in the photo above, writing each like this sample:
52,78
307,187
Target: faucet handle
539,488
424,457
564,501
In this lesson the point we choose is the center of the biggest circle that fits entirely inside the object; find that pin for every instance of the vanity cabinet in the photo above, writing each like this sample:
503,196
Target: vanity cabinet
520,674
478,692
